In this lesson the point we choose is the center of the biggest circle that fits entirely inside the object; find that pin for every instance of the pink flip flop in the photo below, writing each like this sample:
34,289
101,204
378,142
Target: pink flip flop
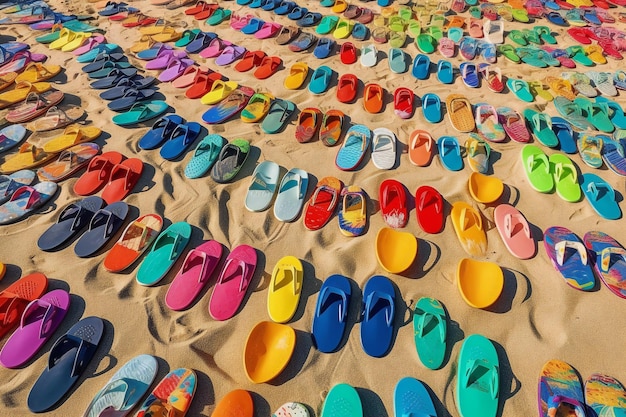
233,282
91,43
39,321
216,46
189,75
268,30
20,60
515,232
193,275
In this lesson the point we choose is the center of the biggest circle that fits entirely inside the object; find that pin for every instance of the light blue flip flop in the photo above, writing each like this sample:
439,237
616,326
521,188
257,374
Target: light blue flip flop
263,186
354,147
601,196
291,194
421,66
320,80
165,250
204,156
410,398
10,183
450,153
125,388
431,107
445,72
10,136
25,200
397,61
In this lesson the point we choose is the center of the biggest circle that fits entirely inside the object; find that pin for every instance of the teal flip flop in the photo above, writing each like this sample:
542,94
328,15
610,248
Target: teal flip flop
278,116
478,378
572,113
521,89
541,126
397,61
430,324
615,111
165,250
596,113
601,196
342,400
140,112
204,156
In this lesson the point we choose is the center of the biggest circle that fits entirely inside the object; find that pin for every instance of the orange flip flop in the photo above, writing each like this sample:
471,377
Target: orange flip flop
123,178
308,122
250,60
137,237
238,402
15,298
268,67
421,148
373,98
98,173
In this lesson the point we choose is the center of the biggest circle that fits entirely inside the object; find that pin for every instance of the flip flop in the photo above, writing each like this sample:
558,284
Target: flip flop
429,209
541,127
196,270
383,148
188,76
514,231
17,297
230,160
55,118
615,112
421,148
233,282
102,227
72,135
278,116
286,36
590,148
521,89
397,61
604,393
219,91
342,399
421,67
331,309
410,397
297,75
348,53
565,178
560,388
487,123
124,177
34,106
347,87
393,203
160,131
164,252
125,388
10,183
430,325
140,112
445,72
537,168
395,251
513,124
460,113
69,357
321,206
478,153
373,98
450,153
135,239
608,260
285,289
230,54
601,196
205,155
11,136
291,194
180,139
378,316
257,107
98,173
613,156
231,105
353,148
468,226
321,79
262,186
431,107
21,91
25,200
352,211
570,257
72,219
478,379
324,48
172,395
250,60
369,55
403,99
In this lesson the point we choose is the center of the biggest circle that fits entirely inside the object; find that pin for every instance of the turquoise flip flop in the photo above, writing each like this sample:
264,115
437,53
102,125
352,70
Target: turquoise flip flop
278,116
397,61
572,113
410,398
615,112
541,126
354,147
204,156
263,186
140,112
342,400
478,378
431,107
601,196
430,324
320,80
450,153
165,250
596,113
521,89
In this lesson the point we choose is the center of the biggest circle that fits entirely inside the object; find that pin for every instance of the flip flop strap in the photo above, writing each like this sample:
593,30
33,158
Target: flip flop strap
509,225
328,189
561,246
592,188
73,211
66,343
386,194
108,218
343,311
374,297
556,400
205,260
293,272
448,145
33,196
9,307
434,201
534,160
240,264
425,319
34,305
473,365
465,219
353,194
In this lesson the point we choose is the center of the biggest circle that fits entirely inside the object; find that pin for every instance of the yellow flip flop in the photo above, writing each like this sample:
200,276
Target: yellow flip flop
36,72
297,75
77,42
285,289
469,230
169,34
219,91
268,350
72,135
21,91
395,250
65,37
7,79
485,189
29,156
480,283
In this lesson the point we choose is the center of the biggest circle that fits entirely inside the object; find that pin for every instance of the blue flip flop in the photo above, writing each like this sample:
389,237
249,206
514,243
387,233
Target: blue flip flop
155,50
181,138
124,85
410,398
297,13
320,80
102,227
204,156
69,358
284,8
565,134
378,316
324,48
359,31
10,183
354,147
421,67
254,25
469,74
431,107
130,97
89,56
160,131
556,18
613,155
445,72
569,256
450,153
201,41
72,220
309,19
10,136
601,196
331,312
609,261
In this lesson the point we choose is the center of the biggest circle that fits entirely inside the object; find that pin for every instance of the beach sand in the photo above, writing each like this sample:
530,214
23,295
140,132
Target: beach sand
537,318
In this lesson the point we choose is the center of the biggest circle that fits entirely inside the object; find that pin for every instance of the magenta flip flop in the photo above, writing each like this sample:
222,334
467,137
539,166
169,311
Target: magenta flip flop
39,321
195,273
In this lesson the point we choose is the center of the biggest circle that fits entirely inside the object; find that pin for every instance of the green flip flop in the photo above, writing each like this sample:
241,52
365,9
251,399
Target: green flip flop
565,178
537,168
430,323
541,126
596,113
509,53
545,34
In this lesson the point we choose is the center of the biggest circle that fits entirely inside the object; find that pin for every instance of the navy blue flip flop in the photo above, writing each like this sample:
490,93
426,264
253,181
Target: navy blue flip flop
378,316
102,227
130,97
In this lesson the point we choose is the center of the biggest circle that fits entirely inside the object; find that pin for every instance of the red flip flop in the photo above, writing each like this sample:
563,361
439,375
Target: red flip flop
250,60
392,197
202,84
347,88
123,178
348,53
17,296
429,209
196,9
268,67
321,206
98,173
207,11
403,102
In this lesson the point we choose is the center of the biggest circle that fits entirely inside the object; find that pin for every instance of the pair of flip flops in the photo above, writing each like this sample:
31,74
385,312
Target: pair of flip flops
172,134
140,112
